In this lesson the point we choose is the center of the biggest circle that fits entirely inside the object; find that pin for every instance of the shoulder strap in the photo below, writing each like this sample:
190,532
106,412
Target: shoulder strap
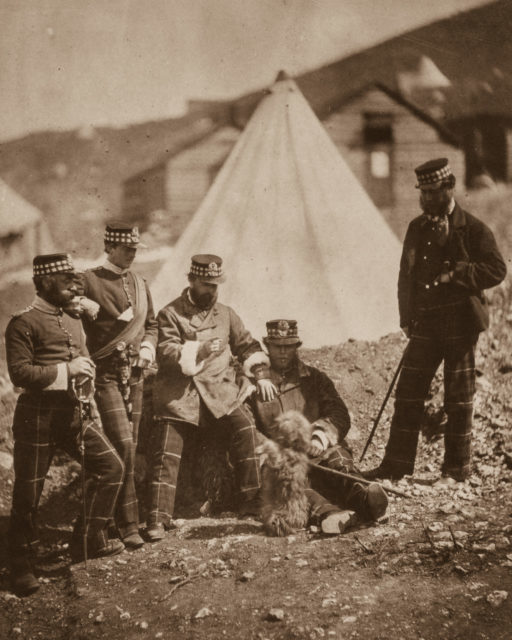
133,327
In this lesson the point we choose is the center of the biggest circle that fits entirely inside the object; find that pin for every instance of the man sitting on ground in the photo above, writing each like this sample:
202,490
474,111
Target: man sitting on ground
305,389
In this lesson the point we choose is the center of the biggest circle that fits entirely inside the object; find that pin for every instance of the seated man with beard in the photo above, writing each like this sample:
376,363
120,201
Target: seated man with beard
196,385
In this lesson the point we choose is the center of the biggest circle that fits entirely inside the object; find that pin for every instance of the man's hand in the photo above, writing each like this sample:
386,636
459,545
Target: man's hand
81,306
444,278
315,449
266,390
208,347
145,358
81,366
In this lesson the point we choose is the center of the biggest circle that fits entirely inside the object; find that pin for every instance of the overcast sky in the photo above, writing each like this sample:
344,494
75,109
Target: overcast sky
69,63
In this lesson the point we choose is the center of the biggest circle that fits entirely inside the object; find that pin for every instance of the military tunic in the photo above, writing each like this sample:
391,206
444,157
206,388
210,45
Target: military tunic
40,341
120,406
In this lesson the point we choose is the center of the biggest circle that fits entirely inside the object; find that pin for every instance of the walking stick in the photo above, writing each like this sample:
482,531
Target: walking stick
83,389
379,415
357,479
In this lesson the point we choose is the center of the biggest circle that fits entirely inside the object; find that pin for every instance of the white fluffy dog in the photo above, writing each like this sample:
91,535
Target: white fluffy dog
284,503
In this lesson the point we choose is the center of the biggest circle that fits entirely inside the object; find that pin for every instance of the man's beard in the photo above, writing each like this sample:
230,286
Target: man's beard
205,300
437,210
58,297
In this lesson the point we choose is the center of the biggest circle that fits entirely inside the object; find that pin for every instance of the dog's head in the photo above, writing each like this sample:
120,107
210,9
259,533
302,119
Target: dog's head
292,430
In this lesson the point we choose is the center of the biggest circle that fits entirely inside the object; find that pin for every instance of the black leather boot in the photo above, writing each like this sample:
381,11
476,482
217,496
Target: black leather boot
23,580
368,501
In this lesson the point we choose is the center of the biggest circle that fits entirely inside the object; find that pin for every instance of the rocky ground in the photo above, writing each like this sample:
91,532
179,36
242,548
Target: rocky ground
439,566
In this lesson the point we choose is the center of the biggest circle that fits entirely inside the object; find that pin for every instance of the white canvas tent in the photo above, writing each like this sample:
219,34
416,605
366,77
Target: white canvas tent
23,230
299,236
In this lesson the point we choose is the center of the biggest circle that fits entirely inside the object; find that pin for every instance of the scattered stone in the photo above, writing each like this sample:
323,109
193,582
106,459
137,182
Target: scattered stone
10,596
144,625
246,576
302,563
204,612
459,569
6,460
329,601
349,619
99,618
497,598
275,615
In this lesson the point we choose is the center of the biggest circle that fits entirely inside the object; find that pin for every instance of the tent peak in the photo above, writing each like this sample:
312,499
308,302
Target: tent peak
282,75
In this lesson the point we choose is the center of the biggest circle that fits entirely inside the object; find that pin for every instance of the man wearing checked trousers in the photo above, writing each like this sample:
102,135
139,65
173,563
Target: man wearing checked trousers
195,387
46,355
448,258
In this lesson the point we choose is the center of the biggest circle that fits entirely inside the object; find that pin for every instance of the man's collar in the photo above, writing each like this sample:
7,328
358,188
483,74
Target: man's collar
302,369
46,307
189,297
110,266
459,216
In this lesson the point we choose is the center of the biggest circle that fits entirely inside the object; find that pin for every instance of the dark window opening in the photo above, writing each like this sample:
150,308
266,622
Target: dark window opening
378,129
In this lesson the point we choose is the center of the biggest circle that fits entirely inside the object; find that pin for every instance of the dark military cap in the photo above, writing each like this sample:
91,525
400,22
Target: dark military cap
208,268
282,332
432,174
52,263
123,233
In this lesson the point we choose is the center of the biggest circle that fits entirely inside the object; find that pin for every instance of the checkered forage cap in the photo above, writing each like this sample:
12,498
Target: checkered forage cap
432,172
282,329
122,233
208,267
48,264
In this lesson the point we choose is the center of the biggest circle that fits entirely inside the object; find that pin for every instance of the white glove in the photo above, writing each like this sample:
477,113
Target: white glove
145,358
266,390
89,308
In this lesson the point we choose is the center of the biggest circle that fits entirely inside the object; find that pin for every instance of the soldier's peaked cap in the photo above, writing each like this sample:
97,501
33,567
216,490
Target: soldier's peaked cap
51,263
207,267
282,332
123,233
433,174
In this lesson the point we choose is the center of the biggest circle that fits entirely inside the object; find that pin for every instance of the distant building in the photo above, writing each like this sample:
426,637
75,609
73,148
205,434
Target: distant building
177,183
23,231
487,140
381,136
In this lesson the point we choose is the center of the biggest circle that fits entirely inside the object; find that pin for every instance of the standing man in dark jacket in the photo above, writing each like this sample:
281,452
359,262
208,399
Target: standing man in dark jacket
303,388
46,357
121,339
448,258
196,385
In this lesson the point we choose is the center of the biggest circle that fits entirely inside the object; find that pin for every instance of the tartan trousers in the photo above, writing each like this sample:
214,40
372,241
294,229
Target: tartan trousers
43,422
164,456
335,489
440,335
122,433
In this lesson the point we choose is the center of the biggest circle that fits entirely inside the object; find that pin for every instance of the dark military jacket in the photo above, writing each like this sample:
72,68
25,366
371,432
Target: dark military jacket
311,392
181,381
39,341
470,252
115,293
